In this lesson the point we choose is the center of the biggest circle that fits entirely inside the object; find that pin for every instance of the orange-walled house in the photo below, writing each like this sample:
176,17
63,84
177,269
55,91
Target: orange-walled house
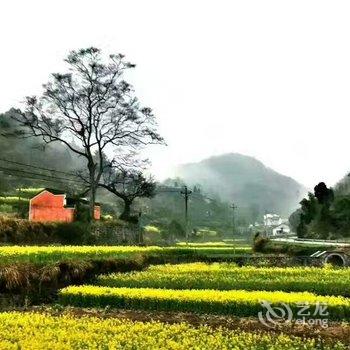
53,205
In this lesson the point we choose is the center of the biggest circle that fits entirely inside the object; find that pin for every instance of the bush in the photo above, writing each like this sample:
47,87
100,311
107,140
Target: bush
205,234
20,231
6,208
152,235
260,244
152,229
72,233
106,217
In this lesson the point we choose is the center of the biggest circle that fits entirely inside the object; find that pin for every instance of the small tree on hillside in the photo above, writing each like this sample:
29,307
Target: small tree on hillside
175,230
92,111
128,185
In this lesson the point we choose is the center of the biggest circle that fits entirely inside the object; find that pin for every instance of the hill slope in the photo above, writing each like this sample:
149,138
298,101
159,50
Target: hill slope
244,180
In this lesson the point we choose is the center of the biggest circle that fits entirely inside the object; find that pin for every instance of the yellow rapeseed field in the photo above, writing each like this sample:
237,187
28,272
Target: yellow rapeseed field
35,331
48,254
43,254
225,276
234,302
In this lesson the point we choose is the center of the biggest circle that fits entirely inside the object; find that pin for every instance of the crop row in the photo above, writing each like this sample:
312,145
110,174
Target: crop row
235,302
13,200
49,254
40,331
221,276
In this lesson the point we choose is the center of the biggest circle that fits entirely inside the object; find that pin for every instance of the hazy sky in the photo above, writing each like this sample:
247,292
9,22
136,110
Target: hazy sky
270,79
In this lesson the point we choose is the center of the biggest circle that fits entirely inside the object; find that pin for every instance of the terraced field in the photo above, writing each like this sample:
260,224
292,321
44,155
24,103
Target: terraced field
221,276
201,290
51,254
234,302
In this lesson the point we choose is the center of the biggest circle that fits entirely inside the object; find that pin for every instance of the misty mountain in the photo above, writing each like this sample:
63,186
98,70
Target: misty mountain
16,151
246,181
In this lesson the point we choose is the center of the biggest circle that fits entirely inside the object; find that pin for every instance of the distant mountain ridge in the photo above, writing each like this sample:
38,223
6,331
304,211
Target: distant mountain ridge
246,181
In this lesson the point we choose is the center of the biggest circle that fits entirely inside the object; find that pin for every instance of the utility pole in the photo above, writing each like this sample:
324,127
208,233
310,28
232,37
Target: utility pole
233,207
265,222
186,192
140,233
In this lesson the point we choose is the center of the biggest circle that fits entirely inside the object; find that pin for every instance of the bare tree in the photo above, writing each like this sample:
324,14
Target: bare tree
92,110
128,185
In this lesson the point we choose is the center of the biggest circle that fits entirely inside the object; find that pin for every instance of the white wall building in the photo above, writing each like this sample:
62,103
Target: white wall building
282,229
272,220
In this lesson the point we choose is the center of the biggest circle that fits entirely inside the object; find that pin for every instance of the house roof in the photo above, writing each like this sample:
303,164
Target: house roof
71,201
51,190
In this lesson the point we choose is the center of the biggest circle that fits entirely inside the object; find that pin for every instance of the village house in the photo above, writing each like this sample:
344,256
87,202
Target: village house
50,205
274,225
282,229
272,220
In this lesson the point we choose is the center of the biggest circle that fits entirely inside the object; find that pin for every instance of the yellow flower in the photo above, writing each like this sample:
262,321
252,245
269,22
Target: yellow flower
36,331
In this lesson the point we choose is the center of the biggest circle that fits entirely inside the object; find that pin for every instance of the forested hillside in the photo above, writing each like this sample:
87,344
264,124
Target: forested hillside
33,151
324,213
246,181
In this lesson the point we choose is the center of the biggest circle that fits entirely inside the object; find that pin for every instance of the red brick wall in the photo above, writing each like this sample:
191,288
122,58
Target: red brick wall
97,212
48,207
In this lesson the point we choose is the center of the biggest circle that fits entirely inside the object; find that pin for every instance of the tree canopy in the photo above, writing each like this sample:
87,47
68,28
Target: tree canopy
93,111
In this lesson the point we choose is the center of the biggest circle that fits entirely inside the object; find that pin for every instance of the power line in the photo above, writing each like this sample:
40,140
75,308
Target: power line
37,167
51,177
37,174
35,178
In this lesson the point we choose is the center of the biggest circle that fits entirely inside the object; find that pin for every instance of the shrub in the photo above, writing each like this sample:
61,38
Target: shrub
260,244
152,235
6,208
106,217
152,229
19,231
72,233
